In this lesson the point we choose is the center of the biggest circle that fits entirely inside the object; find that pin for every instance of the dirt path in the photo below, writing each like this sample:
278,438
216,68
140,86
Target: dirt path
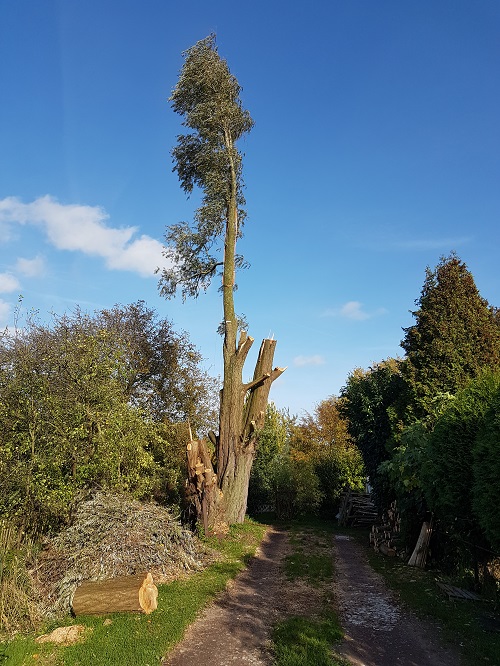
378,631
235,629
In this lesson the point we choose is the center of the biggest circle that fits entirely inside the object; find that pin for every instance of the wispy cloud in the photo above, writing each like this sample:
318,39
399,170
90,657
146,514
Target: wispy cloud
446,244
30,267
385,242
301,361
85,229
8,283
353,310
5,310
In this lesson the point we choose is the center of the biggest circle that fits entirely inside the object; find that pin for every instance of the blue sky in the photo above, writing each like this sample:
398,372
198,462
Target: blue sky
376,150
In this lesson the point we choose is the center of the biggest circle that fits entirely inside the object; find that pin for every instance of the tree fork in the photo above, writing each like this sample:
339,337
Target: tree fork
222,499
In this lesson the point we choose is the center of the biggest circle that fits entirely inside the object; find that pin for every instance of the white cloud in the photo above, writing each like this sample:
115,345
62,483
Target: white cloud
8,283
30,267
80,228
353,310
5,309
301,361
142,255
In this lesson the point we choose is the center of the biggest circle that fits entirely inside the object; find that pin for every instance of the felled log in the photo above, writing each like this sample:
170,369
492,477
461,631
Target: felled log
136,594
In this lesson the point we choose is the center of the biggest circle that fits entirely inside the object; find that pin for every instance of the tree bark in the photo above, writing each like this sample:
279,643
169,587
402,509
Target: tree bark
242,416
220,496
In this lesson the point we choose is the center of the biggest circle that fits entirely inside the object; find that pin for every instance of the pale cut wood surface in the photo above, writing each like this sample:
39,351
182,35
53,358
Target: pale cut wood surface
122,594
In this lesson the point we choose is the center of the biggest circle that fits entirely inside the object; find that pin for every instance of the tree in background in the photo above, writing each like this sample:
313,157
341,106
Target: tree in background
273,446
207,96
74,413
324,439
486,473
455,335
163,373
374,404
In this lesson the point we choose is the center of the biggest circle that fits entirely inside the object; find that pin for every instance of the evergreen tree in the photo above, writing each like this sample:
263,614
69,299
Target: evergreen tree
455,335
374,403
486,473
448,470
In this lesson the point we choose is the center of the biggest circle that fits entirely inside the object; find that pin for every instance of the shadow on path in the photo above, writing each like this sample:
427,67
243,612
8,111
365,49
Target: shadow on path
235,628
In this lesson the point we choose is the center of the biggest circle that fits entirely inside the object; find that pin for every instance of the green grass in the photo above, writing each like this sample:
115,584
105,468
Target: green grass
300,641
309,641
312,556
462,623
143,640
314,568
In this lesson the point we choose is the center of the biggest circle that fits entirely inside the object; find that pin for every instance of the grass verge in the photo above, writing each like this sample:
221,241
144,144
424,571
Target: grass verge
309,640
471,626
144,640
301,641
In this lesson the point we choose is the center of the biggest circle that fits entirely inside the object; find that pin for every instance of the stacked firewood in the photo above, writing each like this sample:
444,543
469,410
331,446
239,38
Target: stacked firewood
384,538
356,509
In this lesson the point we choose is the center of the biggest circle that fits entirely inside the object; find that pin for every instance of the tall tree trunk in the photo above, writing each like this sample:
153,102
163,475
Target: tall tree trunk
242,406
221,498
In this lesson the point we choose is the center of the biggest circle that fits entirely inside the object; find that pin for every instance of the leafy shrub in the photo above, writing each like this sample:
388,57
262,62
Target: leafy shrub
448,477
271,445
337,468
486,474
296,487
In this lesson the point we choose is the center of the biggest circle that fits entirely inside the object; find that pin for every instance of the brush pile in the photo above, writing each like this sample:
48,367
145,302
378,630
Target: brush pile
114,535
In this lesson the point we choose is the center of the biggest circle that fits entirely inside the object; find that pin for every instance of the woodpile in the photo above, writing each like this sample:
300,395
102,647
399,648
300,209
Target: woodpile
384,538
381,539
112,536
356,509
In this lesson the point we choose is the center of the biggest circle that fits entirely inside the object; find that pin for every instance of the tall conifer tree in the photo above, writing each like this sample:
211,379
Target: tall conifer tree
455,334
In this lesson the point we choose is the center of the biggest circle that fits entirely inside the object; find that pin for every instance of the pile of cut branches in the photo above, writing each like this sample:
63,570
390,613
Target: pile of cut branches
114,535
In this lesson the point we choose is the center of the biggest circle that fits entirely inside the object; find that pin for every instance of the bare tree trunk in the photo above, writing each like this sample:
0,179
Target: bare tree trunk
234,483
221,499
242,406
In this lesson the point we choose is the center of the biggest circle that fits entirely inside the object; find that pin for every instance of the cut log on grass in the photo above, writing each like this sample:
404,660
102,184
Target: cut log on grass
136,594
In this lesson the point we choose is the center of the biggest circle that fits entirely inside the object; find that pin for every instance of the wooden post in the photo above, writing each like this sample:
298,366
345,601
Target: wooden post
419,555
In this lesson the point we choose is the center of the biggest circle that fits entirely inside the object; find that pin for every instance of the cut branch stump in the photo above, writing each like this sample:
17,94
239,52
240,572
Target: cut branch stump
132,594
